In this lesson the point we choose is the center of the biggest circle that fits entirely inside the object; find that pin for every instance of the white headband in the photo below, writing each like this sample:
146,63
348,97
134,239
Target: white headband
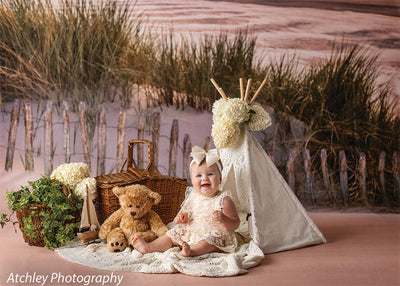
198,154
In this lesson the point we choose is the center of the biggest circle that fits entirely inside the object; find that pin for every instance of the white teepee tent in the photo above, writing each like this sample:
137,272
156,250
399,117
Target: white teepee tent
276,219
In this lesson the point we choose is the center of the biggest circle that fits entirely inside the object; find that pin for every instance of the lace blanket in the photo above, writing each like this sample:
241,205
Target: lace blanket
213,264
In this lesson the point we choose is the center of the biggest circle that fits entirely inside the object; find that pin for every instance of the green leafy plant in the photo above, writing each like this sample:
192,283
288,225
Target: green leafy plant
58,219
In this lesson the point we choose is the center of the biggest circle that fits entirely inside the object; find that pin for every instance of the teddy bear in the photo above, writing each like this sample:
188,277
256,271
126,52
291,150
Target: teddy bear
135,216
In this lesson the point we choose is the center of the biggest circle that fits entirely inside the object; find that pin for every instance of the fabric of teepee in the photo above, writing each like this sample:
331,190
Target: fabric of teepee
276,219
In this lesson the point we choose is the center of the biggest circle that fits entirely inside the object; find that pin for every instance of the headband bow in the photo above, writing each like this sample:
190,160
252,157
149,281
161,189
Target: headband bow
198,154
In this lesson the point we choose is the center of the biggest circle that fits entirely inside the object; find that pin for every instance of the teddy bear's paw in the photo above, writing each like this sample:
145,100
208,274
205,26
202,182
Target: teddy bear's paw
116,241
116,245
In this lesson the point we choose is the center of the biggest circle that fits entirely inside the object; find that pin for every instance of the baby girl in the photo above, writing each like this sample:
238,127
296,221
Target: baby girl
208,217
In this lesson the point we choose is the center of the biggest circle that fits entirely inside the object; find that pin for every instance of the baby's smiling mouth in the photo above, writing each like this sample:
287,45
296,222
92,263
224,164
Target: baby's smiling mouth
206,185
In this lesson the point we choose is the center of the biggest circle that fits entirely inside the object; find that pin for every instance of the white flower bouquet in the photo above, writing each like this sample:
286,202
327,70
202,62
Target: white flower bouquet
80,188
230,114
75,176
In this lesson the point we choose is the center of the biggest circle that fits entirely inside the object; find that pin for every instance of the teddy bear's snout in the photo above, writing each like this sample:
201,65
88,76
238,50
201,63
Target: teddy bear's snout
133,213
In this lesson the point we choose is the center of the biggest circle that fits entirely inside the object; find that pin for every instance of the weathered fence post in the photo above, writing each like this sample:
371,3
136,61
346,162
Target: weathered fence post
362,168
140,135
156,136
84,133
325,174
381,169
187,147
67,132
343,177
48,138
396,174
12,135
290,169
207,144
271,155
120,139
173,148
307,169
101,141
28,136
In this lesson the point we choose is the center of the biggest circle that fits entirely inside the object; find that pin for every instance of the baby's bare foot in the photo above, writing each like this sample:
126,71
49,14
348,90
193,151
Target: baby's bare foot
186,251
140,244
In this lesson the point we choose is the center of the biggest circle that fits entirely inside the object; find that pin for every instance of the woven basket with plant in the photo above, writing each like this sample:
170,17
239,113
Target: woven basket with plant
48,213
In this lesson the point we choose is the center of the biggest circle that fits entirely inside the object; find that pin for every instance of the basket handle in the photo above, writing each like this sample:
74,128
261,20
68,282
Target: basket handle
66,191
151,167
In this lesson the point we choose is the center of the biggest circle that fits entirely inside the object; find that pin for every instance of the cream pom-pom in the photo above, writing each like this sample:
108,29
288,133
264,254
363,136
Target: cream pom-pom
70,174
225,133
80,188
237,110
258,120
234,109
229,115
218,108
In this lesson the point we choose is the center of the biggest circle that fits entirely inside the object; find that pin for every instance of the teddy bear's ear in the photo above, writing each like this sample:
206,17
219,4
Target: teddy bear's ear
155,196
118,191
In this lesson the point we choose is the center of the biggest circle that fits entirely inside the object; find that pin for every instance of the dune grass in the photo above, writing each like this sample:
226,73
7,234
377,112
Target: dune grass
100,51
346,109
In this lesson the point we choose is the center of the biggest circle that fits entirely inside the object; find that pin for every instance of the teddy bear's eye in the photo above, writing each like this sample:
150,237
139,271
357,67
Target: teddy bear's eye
137,206
130,206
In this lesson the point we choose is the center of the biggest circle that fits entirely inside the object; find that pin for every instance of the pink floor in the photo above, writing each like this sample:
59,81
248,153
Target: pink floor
362,249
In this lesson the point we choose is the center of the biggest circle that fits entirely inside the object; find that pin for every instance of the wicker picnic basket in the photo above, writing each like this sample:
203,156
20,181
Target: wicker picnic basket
171,189
37,219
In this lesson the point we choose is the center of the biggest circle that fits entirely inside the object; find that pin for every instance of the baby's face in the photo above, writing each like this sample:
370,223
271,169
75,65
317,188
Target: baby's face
205,179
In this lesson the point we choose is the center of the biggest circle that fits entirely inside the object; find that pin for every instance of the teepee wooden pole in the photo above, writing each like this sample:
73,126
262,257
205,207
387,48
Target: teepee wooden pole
241,88
219,89
258,91
246,95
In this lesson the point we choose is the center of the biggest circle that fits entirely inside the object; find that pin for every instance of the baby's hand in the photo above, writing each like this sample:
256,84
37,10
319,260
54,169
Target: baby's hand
181,218
217,216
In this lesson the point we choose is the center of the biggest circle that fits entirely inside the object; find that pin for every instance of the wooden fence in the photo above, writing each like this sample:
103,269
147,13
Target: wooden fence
173,151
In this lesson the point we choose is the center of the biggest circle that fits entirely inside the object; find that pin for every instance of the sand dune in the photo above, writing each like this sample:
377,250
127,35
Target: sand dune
305,28
387,7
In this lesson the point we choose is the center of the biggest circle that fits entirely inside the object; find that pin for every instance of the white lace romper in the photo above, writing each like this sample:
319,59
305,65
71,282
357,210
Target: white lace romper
200,225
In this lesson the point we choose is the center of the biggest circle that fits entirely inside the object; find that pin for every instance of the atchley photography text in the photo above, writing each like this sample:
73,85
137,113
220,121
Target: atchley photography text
56,278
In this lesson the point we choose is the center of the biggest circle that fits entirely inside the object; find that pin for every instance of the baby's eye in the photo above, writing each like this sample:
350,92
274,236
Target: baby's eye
210,174
198,176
